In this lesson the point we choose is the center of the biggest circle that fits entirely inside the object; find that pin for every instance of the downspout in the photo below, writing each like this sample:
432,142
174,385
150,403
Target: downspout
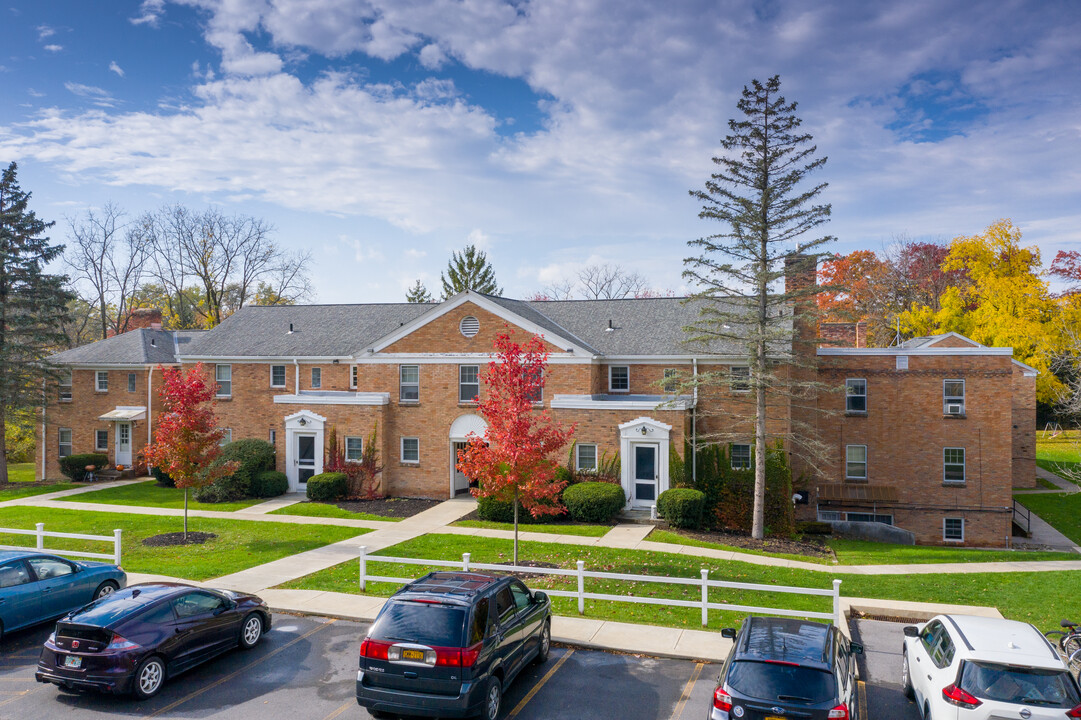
694,424
296,377
44,441
149,406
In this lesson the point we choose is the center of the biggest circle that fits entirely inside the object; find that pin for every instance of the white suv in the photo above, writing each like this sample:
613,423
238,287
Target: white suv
961,667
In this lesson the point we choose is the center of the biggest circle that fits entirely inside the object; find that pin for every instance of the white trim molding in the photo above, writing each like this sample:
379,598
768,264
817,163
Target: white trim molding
330,397
659,403
643,431
918,351
304,422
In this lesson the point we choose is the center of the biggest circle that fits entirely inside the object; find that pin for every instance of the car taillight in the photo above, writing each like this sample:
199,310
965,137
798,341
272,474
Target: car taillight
120,643
374,649
840,712
722,700
956,696
470,655
1075,713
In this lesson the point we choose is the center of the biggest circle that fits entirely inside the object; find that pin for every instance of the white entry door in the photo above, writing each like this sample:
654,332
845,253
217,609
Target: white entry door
461,482
123,444
304,457
644,487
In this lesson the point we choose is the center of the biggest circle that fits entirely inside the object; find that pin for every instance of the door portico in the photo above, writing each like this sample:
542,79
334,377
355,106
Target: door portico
303,448
643,452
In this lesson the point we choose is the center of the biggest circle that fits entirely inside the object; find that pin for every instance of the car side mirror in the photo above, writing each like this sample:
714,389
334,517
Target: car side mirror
729,633
856,648
540,597
911,631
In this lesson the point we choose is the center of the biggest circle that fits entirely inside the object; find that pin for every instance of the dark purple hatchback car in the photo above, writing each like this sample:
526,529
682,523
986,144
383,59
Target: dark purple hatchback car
134,639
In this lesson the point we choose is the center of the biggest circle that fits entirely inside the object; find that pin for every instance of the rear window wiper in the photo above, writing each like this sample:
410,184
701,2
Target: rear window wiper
1035,701
794,698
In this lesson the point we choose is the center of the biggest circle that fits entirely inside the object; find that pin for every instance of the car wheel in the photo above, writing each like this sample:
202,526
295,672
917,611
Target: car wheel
906,677
149,677
493,699
106,588
545,642
251,630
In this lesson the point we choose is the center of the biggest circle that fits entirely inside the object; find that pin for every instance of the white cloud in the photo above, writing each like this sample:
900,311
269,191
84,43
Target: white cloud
98,96
432,57
479,238
415,253
113,67
54,48
45,31
34,93
150,13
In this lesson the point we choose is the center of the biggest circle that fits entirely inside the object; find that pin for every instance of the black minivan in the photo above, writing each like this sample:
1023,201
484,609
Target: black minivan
448,644
784,668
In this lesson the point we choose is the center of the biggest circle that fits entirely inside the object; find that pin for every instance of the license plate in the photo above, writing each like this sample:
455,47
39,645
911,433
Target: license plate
72,661
413,655
775,717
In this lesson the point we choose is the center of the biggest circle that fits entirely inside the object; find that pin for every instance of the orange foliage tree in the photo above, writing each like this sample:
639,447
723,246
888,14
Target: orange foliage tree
512,461
187,442
856,282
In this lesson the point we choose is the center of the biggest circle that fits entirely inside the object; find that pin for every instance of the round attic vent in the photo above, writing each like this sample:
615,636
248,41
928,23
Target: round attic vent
469,326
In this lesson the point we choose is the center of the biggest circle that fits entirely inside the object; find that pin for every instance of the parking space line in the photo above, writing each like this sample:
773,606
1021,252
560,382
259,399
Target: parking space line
678,712
533,691
339,711
232,675
863,700
21,695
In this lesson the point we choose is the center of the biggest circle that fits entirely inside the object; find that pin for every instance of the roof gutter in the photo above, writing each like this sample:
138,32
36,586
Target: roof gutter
44,407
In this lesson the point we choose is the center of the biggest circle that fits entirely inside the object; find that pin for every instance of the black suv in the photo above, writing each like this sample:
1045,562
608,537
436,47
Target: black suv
447,644
782,668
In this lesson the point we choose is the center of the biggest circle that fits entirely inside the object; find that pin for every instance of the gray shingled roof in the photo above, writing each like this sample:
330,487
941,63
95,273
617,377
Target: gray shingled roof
137,347
318,330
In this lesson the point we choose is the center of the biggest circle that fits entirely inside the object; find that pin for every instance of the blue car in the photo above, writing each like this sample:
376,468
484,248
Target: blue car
36,587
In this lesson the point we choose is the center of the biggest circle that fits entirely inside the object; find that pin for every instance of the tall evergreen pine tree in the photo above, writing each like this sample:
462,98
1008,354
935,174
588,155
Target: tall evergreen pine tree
33,306
418,293
756,195
469,270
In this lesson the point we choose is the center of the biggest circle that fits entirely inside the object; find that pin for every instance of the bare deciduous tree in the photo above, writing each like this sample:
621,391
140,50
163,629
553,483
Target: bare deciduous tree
601,282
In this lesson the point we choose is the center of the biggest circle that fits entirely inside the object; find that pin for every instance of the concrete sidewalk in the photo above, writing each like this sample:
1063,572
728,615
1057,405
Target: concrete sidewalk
274,504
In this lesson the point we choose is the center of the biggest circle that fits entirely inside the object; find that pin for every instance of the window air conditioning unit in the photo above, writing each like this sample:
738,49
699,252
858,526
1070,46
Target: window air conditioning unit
953,409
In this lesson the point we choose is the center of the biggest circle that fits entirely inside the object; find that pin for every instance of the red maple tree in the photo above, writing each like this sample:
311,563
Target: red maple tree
187,441
1067,267
511,462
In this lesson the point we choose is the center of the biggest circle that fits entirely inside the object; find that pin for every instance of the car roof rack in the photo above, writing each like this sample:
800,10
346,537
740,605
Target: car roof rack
452,583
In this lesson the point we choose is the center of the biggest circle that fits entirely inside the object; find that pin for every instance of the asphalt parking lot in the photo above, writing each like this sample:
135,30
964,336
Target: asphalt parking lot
305,667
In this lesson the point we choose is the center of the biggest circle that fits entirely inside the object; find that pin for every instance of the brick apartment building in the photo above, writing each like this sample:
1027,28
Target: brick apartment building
930,436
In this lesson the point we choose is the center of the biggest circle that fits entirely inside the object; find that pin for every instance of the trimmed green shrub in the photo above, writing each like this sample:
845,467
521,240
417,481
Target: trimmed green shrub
327,487
252,456
594,502
502,511
682,507
814,527
162,478
730,493
677,472
74,466
269,483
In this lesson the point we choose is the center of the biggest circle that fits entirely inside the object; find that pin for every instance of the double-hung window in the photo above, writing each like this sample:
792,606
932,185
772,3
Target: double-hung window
410,450
64,437
953,466
741,456
856,462
619,378
101,440
953,529
131,382
953,397
468,383
227,436
353,377
671,380
409,383
739,378
101,381
585,457
536,392
65,386
317,378
223,375
856,395
277,376
354,449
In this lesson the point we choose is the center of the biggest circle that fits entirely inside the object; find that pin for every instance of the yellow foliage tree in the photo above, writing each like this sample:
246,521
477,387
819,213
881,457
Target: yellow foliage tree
1008,303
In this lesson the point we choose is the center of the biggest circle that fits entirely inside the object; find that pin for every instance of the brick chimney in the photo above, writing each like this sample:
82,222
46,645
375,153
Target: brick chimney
801,272
844,334
146,318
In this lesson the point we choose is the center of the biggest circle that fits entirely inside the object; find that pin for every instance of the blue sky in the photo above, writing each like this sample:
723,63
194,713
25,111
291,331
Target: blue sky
383,134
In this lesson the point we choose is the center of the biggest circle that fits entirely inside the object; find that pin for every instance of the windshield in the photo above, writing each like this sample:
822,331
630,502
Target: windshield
777,682
1024,686
105,611
424,623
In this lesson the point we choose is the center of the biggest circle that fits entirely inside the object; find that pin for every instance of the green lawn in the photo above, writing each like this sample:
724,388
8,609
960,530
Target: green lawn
1046,484
1040,598
149,494
1060,510
12,493
318,509
664,536
551,528
1060,454
21,472
239,544
864,552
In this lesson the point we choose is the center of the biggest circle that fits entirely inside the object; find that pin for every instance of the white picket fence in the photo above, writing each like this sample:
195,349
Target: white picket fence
40,533
705,583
